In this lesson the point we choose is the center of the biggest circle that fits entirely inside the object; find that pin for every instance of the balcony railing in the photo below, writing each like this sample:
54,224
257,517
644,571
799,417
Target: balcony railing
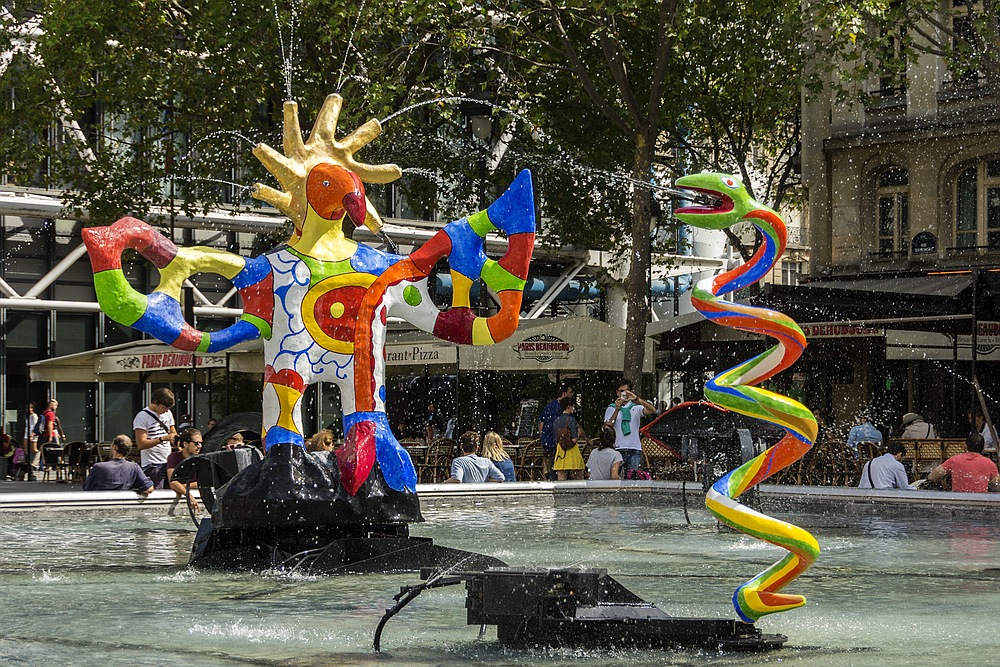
889,254
969,83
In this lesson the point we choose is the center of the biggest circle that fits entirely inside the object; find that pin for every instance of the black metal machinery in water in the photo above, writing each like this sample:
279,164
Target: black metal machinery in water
579,607
285,512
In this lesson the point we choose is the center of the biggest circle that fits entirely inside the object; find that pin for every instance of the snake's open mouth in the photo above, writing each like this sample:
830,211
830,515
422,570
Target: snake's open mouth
705,201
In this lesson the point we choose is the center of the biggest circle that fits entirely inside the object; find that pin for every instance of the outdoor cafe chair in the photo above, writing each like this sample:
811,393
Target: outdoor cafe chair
416,449
868,451
436,466
657,459
952,446
532,466
103,451
76,457
928,456
52,462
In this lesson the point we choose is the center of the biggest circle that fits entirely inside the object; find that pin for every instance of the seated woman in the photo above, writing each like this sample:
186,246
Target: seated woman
321,444
605,462
494,451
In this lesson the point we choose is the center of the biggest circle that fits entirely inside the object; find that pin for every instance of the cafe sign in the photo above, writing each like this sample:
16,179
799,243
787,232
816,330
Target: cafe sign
543,348
161,361
987,338
416,354
832,330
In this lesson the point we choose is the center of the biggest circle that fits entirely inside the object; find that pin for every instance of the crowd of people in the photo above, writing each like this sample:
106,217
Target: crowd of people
162,445
968,472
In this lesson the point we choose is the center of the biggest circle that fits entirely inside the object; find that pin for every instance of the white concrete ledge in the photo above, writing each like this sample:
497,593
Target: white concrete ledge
161,501
662,494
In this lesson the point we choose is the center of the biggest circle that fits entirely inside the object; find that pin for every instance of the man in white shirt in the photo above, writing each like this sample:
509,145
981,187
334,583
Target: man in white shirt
470,468
154,434
886,471
625,415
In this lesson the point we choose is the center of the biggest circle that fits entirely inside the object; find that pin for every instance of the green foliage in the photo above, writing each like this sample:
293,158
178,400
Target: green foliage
161,90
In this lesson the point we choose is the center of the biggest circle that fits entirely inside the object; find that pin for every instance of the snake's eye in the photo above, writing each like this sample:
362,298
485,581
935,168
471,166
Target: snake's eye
326,184
731,183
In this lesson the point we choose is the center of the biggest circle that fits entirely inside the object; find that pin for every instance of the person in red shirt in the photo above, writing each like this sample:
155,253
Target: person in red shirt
53,429
970,472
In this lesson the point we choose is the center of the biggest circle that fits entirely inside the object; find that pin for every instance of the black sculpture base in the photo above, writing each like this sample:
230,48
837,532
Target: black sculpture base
290,511
579,608
588,608
327,550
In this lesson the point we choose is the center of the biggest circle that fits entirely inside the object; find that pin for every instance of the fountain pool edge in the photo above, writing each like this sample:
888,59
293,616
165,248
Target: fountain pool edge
772,498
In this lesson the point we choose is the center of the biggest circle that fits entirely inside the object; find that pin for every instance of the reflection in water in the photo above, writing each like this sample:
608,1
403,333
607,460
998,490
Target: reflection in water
972,544
116,591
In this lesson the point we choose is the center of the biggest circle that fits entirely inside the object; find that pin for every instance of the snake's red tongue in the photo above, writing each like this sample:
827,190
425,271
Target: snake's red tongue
356,456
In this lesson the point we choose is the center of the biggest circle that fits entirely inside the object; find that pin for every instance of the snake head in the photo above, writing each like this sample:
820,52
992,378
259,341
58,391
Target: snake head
722,200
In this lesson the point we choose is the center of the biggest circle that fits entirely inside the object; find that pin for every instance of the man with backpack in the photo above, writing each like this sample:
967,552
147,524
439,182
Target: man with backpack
154,434
48,427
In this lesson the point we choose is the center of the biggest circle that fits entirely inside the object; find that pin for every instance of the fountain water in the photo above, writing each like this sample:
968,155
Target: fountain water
133,598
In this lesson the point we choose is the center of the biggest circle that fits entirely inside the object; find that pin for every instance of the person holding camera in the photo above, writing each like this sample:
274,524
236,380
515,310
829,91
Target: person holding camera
155,434
625,415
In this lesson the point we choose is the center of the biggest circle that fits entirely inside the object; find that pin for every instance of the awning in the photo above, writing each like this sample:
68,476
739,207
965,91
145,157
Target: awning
936,299
153,361
145,361
561,344
556,344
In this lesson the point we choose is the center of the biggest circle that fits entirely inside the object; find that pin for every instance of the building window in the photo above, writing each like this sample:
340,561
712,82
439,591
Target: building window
977,207
966,39
893,213
790,272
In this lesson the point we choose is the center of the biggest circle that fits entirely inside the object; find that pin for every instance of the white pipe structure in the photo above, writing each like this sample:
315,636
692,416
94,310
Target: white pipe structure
56,271
557,287
23,303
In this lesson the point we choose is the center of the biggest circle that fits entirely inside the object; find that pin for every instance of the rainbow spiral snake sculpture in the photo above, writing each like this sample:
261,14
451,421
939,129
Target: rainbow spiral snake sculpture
734,390
322,301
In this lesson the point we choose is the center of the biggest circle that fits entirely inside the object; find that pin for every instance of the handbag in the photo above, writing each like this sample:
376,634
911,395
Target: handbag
565,440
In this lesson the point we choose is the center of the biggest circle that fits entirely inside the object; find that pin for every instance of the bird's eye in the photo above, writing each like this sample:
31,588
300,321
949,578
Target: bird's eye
326,184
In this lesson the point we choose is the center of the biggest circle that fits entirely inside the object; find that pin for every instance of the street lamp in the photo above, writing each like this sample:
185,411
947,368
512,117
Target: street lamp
482,127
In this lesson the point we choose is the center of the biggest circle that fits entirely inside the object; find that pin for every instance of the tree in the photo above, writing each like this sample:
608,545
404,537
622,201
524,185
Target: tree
630,83
878,38
599,97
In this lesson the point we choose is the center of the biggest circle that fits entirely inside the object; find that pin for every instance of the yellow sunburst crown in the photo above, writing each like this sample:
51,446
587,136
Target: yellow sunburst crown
292,169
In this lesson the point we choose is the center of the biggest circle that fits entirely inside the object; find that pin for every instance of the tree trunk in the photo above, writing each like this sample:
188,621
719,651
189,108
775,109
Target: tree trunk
637,285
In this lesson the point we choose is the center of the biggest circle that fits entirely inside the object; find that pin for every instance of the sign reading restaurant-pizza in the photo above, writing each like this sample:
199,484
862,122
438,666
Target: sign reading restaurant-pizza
418,353
543,348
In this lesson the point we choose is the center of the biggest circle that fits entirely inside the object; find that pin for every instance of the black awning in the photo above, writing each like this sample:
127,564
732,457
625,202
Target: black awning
918,302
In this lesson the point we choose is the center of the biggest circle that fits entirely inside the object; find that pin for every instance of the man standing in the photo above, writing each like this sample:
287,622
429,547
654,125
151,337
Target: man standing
625,415
53,429
433,426
154,433
118,474
970,472
546,432
470,468
886,471
190,442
